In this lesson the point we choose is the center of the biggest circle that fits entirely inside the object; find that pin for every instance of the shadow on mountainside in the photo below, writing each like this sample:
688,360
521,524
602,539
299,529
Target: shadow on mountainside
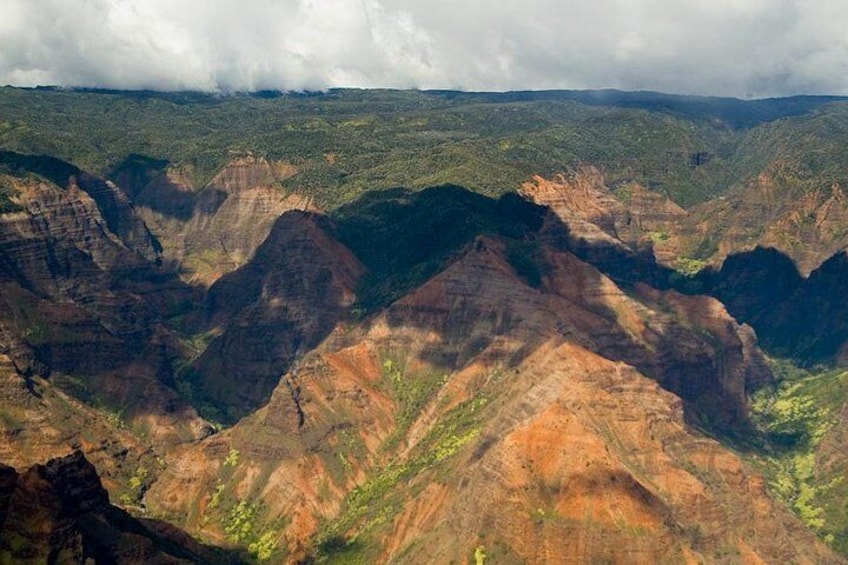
144,179
59,512
472,270
520,267
802,318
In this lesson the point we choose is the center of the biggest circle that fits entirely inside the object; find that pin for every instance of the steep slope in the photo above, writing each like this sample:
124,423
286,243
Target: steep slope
208,231
802,450
625,235
427,361
803,220
59,513
82,305
403,438
787,193
796,317
811,325
40,422
260,318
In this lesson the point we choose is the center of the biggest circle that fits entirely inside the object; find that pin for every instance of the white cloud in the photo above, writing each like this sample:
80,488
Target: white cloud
726,47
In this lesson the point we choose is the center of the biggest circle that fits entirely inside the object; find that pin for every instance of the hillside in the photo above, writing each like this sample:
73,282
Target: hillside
424,327
58,512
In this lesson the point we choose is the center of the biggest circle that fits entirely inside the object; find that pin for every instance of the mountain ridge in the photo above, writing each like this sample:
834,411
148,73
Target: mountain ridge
256,334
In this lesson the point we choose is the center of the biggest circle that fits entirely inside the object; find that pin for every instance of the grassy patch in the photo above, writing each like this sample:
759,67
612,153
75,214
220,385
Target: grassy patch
795,419
375,503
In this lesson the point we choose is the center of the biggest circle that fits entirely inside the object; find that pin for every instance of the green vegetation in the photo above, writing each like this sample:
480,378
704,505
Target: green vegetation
240,527
138,483
232,458
796,419
480,555
239,522
345,142
352,150
411,391
215,501
264,547
689,267
406,237
243,520
375,503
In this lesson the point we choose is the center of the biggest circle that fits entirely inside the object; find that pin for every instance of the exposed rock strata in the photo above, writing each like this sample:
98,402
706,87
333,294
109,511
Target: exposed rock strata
76,300
273,310
59,513
570,454
209,231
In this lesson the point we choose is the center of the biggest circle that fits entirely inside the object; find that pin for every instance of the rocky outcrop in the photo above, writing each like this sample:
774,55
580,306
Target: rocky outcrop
477,299
625,241
654,222
271,311
76,300
59,512
585,460
802,218
634,215
209,231
582,200
71,283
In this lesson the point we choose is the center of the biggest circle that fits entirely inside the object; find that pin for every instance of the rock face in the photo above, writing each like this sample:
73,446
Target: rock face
418,376
481,412
591,462
209,232
625,240
633,215
805,222
534,396
582,200
76,299
271,311
59,252
59,513
477,300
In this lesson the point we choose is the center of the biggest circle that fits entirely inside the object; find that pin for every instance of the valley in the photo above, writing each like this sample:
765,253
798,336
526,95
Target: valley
373,326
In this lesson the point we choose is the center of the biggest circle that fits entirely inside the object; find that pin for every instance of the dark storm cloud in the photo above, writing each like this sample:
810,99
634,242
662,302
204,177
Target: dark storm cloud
728,47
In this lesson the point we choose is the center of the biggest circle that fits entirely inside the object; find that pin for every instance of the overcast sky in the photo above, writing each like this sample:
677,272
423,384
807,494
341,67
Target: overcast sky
745,48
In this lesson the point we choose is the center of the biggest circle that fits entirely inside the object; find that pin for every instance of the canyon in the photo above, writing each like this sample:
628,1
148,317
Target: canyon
557,347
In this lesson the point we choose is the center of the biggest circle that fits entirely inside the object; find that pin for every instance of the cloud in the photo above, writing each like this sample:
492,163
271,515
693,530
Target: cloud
723,47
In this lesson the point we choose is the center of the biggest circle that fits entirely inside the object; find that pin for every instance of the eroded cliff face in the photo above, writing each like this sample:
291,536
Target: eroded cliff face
588,460
582,200
209,231
59,512
801,218
263,316
479,411
80,305
804,221
521,402
631,219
